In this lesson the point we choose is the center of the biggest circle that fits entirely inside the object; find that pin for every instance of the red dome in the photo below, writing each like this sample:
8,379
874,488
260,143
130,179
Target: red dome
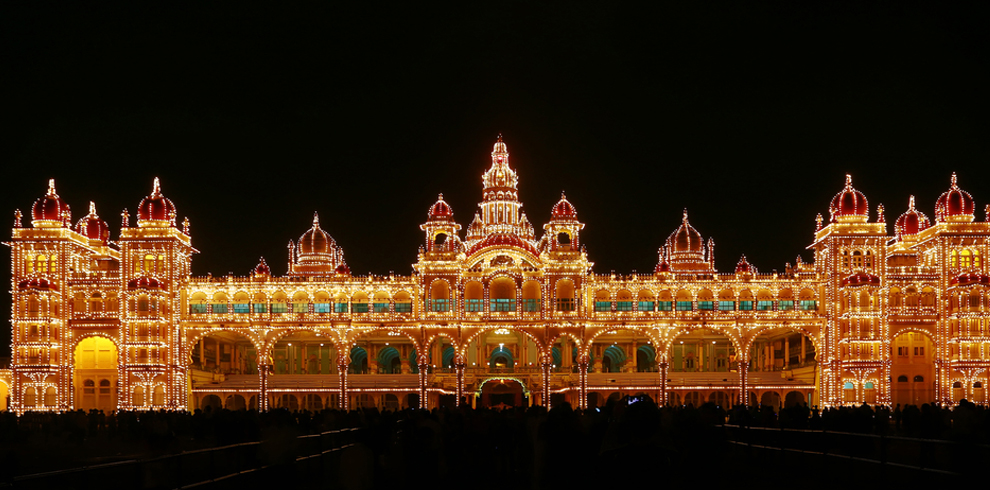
262,268
744,267
849,205
343,269
663,266
861,279
503,240
145,282
50,207
39,283
156,207
92,226
685,239
954,204
315,240
911,222
441,210
563,209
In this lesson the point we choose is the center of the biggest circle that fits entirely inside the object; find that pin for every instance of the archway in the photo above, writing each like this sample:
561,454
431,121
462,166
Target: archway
304,352
622,350
501,360
95,374
235,402
912,362
209,401
702,350
502,393
783,349
771,399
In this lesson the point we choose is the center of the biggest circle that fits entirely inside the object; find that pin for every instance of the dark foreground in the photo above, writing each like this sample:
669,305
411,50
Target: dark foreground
518,448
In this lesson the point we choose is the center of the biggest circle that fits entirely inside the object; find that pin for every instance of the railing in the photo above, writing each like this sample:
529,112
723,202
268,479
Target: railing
241,464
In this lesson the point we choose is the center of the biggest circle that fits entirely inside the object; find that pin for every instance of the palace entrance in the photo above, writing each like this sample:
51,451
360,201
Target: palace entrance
95,374
503,393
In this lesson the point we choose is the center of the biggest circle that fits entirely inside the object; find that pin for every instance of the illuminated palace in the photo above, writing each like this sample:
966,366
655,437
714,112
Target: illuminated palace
498,315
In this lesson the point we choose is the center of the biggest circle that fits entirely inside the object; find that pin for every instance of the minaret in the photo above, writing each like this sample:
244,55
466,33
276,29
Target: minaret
500,208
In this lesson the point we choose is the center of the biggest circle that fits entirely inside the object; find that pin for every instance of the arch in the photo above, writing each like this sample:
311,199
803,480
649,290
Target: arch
359,360
403,302
613,359
764,329
462,348
693,398
501,358
389,360
564,295
439,296
95,358
793,398
771,399
474,296
719,398
389,331
646,358
532,295
502,294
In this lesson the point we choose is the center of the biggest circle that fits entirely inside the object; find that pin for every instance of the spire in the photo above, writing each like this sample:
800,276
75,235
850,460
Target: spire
156,189
316,219
849,181
92,208
880,218
911,204
51,187
955,181
684,220
818,222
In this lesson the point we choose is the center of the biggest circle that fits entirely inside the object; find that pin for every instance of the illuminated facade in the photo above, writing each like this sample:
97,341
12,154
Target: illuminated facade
500,316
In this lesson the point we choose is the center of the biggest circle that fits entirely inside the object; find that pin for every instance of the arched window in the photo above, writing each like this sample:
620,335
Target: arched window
902,379
502,294
96,303
665,302
403,302
219,303
242,304
259,304
746,302
706,301
857,260
280,302
138,396
439,296
564,295
300,302
919,379
603,300
646,300
197,303
321,302
474,296
359,302
623,300
41,264
726,300
764,300
381,302
785,300
532,294
684,302
149,264
808,301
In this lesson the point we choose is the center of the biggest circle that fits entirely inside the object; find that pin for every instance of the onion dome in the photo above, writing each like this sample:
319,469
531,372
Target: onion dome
316,241
849,206
970,278
145,282
686,239
441,211
563,209
954,204
911,222
744,267
92,227
50,210
262,268
38,283
503,240
861,279
343,269
156,207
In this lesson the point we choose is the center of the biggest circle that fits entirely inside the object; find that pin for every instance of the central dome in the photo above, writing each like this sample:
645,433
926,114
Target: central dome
156,207
685,239
50,210
955,204
315,241
849,206
911,222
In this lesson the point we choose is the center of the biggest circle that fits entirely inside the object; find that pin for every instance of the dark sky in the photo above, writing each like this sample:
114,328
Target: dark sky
747,113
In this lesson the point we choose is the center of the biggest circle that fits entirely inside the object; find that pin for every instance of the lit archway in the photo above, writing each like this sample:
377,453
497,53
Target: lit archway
95,375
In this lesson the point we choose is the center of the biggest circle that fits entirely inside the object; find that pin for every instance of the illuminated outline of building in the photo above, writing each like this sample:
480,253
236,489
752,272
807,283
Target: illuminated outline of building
499,316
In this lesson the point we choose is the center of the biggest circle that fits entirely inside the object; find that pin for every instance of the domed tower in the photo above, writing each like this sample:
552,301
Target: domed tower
316,253
500,211
441,229
912,222
849,205
563,232
955,205
92,227
50,211
156,210
687,249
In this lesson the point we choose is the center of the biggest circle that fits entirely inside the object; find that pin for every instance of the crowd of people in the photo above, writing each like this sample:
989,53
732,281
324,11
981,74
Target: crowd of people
450,443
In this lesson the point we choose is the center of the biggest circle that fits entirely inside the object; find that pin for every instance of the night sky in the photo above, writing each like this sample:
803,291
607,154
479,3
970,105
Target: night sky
749,114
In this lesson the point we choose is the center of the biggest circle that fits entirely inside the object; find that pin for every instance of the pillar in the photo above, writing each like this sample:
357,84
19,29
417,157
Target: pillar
545,398
459,370
262,386
583,383
342,399
744,382
662,367
423,379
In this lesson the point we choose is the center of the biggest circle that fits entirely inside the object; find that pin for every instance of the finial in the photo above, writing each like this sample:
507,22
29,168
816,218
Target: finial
562,196
185,225
51,188
92,208
499,137
880,218
685,216
156,189
818,222
18,216
125,218
440,197
987,210
316,219
911,203
849,181
954,180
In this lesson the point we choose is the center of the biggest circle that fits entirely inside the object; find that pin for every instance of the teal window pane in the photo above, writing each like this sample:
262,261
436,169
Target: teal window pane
340,307
381,307
241,308
623,306
809,304
764,305
321,307
259,308
726,305
683,306
565,304
300,307
746,305
219,307
603,306
786,304
201,308
474,305
503,304
359,307
665,305
441,305
403,307
645,306
706,305
279,308
531,305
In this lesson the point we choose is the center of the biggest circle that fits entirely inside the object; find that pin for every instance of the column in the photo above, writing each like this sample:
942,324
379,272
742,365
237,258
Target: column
743,382
583,383
787,351
662,367
342,401
459,369
423,379
545,399
804,349
263,369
